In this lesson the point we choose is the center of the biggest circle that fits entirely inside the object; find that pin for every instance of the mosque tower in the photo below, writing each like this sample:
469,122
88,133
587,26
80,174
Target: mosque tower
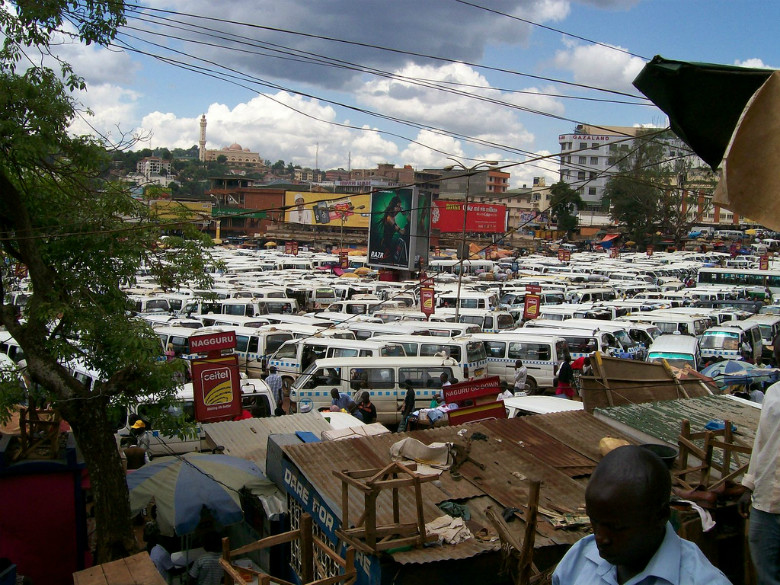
202,142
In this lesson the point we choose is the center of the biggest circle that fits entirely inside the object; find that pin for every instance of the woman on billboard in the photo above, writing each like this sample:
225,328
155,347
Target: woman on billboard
393,243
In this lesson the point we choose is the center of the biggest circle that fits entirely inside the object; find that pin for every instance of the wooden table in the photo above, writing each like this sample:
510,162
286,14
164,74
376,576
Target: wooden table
135,570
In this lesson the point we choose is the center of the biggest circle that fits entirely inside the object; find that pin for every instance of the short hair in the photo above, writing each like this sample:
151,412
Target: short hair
212,542
272,369
518,363
365,397
637,469
334,392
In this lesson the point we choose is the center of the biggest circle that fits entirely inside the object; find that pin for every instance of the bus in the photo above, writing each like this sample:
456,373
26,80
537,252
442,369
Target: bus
740,277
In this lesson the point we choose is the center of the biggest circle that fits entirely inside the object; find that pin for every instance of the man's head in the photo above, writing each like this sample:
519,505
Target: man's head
299,201
444,377
627,500
334,392
365,398
272,369
519,364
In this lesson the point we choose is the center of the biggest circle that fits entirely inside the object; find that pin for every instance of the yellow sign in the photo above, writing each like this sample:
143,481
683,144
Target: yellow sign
187,210
327,209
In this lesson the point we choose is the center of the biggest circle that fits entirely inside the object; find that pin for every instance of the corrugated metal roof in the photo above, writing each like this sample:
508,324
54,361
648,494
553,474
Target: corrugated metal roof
507,466
663,420
579,430
248,438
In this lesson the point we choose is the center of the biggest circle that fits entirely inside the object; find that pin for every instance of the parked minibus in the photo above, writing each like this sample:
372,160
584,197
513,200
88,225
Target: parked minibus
384,378
466,350
540,355
293,357
677,350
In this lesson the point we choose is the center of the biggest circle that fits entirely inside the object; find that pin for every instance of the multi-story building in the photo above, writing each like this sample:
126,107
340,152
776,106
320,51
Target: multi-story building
454,183
153,165
234,154
590,155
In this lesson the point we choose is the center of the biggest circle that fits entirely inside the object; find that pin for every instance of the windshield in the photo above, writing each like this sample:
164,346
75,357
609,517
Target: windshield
625,339
678,360
720,340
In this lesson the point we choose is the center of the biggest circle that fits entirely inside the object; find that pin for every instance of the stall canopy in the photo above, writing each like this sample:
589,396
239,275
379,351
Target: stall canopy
703,101
730,117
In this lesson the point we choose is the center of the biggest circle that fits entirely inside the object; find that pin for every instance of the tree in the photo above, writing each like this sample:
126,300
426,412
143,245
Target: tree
564,205
222,159
278,167
634,193
67,227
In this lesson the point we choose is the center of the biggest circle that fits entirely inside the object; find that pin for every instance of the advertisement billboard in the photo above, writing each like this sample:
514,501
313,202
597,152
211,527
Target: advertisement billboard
447,217
398,236
216,388
327,208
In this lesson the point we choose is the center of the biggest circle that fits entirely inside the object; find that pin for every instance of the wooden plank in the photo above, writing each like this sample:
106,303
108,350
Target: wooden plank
384,530
334,556
231,572
266,542
410,540
117,573
334,579
143,570
91,576
307,548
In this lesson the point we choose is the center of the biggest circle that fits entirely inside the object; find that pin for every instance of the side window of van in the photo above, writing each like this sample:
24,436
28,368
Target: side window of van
495,349
288,351
423,377
505,321
381,378
346,352
242,343
274,342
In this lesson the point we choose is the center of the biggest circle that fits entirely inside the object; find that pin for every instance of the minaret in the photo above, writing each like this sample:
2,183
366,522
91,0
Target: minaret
202,142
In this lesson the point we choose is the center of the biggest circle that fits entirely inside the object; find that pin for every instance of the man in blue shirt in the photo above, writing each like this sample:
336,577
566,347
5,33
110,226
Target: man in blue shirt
627,501
341,401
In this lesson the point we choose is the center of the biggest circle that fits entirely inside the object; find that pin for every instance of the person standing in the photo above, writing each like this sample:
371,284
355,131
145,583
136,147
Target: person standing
275,384
565,375
521,375
761,500
627,501
407,407
206,570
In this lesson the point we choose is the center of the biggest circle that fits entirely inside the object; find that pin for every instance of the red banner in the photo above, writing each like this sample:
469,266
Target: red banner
427,300
212,342
216,388
533,288
472,389
447,217
344,260
650,250
564,255
763,262
532,304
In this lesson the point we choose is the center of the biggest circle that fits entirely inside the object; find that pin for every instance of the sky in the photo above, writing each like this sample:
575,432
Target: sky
427,83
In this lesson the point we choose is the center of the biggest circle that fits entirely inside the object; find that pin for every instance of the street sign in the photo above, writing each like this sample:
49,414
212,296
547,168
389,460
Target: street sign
212,342
531,309
427,301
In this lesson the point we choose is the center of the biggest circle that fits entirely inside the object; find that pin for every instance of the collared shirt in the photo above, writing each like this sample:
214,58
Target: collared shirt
207,570
344,402
676,562
763,474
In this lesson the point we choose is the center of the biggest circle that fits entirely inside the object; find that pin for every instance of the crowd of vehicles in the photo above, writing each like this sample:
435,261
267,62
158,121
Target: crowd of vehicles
363,334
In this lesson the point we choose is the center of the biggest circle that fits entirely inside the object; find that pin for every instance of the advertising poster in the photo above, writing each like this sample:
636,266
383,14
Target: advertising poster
421,244
763,262
650,250
531,309
447,217
564,255
390,232
327,208
427,301
216,388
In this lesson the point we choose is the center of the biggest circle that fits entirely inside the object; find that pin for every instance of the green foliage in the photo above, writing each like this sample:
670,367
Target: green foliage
634,193
564,205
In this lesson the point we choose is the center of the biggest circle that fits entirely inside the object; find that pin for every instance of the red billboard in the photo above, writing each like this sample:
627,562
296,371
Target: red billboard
447,217
216,388
531,308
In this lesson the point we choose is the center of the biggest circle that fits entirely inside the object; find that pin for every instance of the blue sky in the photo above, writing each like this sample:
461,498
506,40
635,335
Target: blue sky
135,94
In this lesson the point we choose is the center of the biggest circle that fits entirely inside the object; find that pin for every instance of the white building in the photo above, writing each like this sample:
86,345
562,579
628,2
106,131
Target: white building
589,157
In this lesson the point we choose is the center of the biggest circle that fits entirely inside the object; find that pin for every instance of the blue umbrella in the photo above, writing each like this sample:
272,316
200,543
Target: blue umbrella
183,485
732,372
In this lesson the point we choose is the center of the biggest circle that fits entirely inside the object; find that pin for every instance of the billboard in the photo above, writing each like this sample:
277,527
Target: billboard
216,388
398,236
327,208
447,217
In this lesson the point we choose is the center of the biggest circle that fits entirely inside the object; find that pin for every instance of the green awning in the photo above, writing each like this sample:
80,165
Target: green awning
703,101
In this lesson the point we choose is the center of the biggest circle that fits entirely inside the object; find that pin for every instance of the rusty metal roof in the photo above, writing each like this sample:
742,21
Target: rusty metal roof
579,430
248,438
508,464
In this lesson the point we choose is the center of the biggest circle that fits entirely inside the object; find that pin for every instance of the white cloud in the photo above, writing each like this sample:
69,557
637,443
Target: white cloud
274,127
462,103
112,108
600,66
753,63
524,174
